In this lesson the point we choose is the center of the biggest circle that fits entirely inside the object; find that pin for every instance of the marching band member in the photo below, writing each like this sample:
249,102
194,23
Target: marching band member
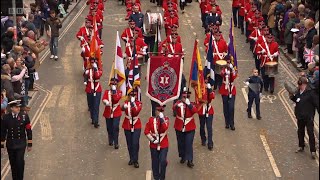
99,19
228,93
84,35
156,132
269,52
213,17
169,37
185,127
220,50
112,112
249,20
241,15
258,40
129,32
168,5
174,48
206,112
137,16
212,3
214,28
132,127
93,90
203,5
170,21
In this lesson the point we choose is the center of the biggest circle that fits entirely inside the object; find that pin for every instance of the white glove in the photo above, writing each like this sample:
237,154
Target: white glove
227,72
180,105
263,51
127,44
271,57
247,83
155,141
161,116
113,87
20,43
260,95
125,106
187,101
132,99
231,66
255,39
95,65
106,102
81,38
208,85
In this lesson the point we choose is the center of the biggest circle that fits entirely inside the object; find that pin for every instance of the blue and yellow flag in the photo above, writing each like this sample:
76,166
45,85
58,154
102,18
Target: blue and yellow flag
196,75
232,54
209,66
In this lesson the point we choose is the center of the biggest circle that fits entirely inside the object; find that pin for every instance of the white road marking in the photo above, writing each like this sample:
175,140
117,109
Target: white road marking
55,92
270,156
65,96
148,175
46,131
245,95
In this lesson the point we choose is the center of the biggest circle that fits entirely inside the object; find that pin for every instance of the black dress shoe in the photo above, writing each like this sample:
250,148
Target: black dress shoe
190,164
92,122
203,143
96,125
259,117
301,149
249,115
110,144
271,91
116,146
232,128
136,164
182,161
210,148
130,163
227,126
313,155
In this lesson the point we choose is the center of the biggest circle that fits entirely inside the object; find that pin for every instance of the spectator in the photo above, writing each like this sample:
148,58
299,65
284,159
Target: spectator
306,102
4,101
29,62
272,17
7,40
265,6
311,31
54,24
38,19
288,35
6,81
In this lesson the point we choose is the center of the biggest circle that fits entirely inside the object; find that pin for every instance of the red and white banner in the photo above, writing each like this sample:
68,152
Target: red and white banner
164,78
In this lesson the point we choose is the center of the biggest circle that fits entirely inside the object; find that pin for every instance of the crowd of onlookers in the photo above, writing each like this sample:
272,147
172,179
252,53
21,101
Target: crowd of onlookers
294,24
20,51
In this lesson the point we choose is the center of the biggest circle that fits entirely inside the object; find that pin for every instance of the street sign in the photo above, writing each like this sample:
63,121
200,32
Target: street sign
8,10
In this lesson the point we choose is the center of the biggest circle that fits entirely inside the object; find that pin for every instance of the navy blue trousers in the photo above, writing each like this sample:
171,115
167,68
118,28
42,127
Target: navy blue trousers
113,129
132,139
228,109
94,104
256,98
206,121
159,163
268,82
185,144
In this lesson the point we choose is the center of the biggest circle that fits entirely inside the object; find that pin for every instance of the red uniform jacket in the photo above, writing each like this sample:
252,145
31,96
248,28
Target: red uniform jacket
85,33
169,39
209,7
129,51
127,34
99,19
172,49
254,36
235,3
207,39
112,109
228,86
166,15
242,4
93,84
187,123
251,21
220,48
202,109
169,22
156,130
271,51
203,5
247,10
165,2
131,115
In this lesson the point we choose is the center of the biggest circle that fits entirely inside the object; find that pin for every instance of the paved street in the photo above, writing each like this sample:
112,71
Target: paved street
66,146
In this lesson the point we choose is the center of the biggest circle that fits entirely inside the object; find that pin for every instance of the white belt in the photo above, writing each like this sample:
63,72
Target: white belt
185,121
93,80
134,118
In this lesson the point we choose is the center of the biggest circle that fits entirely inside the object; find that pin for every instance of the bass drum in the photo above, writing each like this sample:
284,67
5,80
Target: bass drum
150,23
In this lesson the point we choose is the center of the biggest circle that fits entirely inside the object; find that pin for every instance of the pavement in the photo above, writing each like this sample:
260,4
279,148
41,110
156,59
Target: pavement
66,146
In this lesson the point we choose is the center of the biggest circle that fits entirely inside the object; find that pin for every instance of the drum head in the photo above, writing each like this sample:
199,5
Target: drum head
271,63
222,62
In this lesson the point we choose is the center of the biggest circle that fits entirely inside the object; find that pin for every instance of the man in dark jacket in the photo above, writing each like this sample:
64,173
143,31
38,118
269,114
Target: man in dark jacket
306,101
53,25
